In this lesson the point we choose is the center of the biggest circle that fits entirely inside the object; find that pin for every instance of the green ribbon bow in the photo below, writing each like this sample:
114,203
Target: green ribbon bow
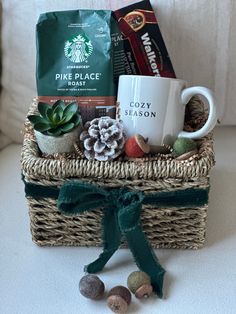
122,209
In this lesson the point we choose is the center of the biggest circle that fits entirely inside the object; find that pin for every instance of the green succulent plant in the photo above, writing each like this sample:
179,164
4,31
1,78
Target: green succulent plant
57,119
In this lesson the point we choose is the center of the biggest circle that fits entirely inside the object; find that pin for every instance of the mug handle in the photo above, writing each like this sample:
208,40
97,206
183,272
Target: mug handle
186,95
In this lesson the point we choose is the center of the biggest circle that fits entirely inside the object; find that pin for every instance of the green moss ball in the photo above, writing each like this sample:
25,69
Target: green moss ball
183,145
137,279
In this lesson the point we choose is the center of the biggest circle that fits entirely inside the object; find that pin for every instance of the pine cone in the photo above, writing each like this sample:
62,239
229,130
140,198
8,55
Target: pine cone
103,139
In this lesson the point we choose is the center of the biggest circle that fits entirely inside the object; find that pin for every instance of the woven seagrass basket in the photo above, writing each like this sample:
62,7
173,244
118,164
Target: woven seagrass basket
180,225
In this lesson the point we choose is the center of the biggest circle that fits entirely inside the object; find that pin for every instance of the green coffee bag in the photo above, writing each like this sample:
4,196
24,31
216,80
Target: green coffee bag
74,60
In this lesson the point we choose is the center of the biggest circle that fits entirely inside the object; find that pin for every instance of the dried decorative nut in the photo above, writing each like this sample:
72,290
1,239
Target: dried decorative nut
187,155
91,287
117,304
183,145
136,146
140,284
119,299
144,291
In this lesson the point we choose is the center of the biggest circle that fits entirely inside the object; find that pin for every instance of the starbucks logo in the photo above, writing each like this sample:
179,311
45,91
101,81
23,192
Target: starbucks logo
78,48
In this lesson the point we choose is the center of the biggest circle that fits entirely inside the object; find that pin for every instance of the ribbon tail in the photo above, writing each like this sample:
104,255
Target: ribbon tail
111,241
145,258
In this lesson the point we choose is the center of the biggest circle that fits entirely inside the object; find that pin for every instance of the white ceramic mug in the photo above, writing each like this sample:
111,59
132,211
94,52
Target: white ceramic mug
155,108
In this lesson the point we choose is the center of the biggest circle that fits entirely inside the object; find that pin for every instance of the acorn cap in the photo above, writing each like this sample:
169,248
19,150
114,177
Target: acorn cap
137,279
142,143
144,291
91,287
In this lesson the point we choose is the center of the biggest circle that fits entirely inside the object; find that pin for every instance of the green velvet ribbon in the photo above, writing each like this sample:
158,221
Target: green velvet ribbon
122,209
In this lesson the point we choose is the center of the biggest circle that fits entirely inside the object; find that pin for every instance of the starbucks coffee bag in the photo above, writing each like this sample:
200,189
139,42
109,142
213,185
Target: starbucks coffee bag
74,60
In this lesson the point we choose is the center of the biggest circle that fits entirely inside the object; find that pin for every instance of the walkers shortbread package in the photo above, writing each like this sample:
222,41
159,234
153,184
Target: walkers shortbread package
144,52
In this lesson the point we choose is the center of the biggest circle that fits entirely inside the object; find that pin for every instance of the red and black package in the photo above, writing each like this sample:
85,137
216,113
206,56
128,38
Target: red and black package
145,52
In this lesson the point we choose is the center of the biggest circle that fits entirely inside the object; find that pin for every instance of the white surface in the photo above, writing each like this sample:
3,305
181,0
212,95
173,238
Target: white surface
199,35
36,280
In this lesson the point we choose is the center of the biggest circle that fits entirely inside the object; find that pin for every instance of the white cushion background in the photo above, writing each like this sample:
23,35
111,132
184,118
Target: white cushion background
4,140
200,36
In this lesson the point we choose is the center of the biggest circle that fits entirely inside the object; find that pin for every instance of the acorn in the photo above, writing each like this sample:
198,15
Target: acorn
139,283
91,287
136,146
184,145
119,299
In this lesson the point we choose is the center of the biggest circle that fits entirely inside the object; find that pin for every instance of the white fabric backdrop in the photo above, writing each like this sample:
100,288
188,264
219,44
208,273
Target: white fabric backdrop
200,36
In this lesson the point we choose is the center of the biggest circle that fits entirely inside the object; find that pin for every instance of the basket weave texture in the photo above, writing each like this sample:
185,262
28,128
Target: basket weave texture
170,227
